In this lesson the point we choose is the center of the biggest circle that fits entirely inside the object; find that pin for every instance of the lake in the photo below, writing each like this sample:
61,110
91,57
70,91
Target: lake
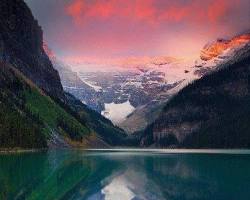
122,175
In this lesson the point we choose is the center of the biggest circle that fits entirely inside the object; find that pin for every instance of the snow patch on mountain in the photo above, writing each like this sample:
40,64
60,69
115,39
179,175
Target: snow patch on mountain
117,112
92,84
136,84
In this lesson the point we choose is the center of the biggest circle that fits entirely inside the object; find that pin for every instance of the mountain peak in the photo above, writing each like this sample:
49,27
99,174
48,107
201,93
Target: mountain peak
216,48
21,42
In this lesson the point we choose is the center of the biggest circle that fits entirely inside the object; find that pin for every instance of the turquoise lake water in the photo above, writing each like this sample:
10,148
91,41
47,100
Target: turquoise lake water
123,175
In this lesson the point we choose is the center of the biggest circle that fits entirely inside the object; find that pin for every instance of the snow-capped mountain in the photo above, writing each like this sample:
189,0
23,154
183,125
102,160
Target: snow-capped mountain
177,74
212,112
220,46
133,97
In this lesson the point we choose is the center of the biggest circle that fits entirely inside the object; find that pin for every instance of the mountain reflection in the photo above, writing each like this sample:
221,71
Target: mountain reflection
84,175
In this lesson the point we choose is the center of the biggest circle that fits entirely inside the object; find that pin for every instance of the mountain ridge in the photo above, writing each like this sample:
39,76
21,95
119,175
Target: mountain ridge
35,111
212,112
21,45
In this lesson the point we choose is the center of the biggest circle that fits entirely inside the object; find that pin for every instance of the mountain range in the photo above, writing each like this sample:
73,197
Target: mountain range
157,102
142,88
212,112
35,111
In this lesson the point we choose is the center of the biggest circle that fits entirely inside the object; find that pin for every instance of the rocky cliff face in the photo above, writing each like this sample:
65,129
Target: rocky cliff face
21,44
35,112
69,79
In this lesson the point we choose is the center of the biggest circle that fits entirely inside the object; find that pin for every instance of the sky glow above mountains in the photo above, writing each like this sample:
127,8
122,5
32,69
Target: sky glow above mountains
106,32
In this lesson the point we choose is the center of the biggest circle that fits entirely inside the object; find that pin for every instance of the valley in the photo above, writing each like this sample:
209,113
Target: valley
140,89
124,99
126,105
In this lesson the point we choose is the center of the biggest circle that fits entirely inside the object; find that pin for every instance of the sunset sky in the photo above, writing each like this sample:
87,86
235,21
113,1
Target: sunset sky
96,31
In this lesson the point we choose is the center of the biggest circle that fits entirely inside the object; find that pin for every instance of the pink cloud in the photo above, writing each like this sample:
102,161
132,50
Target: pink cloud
149,10
75,10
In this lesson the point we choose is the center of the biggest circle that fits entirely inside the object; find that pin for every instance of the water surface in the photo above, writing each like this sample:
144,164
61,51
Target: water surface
118,175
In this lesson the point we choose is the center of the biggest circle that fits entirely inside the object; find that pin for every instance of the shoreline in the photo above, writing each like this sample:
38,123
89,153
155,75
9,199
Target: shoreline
174,151
133,150
18,150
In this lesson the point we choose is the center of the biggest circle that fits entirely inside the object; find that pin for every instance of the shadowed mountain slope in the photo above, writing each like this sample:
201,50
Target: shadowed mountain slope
35,111
213,112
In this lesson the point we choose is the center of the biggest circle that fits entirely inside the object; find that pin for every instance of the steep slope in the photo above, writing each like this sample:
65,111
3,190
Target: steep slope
16,128
31,119
69,79
35,111
109,133
72,83
213,112
21,41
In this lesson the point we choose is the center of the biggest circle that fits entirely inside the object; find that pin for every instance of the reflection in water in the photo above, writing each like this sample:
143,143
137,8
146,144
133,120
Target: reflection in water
136,176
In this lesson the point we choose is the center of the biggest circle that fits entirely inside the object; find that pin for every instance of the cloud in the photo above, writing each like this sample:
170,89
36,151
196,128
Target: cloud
75,10
150,11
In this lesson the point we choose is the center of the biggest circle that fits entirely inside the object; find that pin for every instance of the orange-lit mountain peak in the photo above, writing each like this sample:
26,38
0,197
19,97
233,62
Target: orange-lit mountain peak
215,49
238,40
